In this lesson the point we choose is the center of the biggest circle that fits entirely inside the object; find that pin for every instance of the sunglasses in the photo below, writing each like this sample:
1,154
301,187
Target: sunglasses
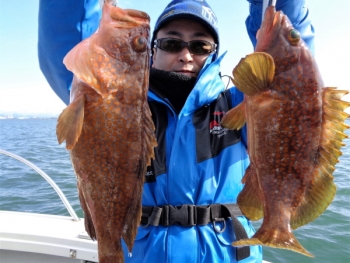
174,45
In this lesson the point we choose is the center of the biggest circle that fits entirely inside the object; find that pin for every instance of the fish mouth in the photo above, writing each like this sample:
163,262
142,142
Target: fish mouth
270,27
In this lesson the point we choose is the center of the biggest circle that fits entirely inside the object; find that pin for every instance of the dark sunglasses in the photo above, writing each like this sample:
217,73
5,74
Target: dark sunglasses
174,45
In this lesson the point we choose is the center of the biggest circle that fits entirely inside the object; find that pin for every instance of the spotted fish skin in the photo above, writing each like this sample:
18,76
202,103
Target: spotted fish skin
295,130
108,127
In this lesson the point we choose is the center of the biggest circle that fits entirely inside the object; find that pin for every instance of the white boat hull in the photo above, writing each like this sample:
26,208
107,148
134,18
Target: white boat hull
28,237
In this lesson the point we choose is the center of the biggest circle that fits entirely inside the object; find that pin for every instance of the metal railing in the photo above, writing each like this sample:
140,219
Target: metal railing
48,179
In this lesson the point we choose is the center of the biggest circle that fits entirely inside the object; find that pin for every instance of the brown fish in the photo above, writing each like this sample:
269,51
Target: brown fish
295,130
108,127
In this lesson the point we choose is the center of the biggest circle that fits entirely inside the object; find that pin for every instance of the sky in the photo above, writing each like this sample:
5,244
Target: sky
23,88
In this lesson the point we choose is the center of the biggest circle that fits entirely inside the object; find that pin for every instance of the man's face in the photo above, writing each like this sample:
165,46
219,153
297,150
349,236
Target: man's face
182,62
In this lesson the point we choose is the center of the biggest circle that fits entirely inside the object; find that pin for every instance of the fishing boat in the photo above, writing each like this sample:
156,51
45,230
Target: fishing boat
31,237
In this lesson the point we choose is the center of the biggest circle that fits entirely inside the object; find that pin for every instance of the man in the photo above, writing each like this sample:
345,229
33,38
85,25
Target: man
189,210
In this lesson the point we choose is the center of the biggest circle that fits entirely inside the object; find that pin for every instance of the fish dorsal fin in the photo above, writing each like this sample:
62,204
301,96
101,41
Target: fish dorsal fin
148,143
254,73
322,190
70,122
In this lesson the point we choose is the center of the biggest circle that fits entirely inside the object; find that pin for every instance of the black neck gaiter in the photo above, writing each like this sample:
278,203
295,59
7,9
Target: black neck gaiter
172,86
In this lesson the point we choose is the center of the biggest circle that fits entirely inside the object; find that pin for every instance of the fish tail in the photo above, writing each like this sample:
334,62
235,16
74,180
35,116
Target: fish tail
115,255
276,238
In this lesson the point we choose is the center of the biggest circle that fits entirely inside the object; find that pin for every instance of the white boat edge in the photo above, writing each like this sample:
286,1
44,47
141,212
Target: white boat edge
39,237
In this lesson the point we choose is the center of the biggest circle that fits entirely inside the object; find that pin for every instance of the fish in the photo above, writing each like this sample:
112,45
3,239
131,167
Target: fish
295,128
108,127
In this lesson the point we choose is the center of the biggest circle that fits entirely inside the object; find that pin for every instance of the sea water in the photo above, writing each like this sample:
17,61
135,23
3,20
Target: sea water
22,189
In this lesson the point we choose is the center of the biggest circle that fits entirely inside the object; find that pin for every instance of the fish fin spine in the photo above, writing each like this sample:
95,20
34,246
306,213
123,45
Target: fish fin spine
333,125
150,141
254,73
134,214
322,189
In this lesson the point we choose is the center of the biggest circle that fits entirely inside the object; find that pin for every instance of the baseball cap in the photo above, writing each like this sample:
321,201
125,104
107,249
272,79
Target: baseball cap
197,10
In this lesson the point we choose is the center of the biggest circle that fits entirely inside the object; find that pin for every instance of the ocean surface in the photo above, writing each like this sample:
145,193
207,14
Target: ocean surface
22,189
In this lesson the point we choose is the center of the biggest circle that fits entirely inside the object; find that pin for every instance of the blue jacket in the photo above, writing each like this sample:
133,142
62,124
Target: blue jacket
202,163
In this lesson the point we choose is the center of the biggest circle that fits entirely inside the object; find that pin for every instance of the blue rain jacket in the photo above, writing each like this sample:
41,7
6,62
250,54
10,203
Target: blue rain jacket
215,178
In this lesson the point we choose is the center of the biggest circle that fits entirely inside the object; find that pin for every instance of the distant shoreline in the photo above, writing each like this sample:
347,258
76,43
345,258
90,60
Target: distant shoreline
27,117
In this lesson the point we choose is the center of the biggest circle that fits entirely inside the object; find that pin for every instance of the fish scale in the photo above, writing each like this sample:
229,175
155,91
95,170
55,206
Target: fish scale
108,127
295,130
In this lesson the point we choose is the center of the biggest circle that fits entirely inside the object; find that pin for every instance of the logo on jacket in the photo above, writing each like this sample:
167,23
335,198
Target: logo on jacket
214,125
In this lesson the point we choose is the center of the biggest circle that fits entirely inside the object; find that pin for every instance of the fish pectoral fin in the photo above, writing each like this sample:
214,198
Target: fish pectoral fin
322,190
254,73
250,198
70,122
234,118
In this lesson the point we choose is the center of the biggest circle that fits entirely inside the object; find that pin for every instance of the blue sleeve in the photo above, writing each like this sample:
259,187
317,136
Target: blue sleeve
62,25
297,12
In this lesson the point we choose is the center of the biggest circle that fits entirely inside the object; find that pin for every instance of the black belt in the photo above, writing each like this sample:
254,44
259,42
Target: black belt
191,215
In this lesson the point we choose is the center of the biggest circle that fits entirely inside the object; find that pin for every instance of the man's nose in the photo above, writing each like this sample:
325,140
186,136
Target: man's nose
185,55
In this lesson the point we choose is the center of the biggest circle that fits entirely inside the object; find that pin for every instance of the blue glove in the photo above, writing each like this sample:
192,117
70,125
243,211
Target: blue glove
297,12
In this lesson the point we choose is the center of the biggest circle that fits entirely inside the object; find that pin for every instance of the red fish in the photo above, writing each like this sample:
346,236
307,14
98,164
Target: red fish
108,127
295,131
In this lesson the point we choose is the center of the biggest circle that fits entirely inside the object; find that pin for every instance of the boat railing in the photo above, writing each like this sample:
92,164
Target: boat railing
48,179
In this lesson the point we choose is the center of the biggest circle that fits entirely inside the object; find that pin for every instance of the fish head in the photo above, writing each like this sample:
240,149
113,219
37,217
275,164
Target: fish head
125,33
124,40
116,55
281,40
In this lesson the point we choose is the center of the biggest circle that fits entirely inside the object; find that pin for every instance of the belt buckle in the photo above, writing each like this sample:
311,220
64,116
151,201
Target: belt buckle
181,215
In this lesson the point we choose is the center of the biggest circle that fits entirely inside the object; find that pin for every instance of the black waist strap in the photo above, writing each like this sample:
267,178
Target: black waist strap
191,215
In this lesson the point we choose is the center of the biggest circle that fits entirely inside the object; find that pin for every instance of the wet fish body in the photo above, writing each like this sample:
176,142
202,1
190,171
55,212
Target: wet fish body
295,131
108,127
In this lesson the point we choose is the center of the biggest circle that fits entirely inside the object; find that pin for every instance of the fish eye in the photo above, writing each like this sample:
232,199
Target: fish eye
294,36
139,43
